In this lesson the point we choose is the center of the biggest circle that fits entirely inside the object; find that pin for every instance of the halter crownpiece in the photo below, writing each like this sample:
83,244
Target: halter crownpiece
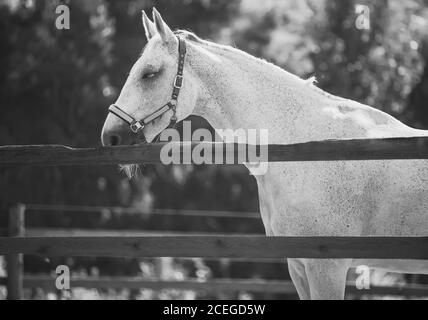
137,125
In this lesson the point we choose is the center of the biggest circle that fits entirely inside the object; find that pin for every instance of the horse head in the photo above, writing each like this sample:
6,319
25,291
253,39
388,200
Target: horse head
149,98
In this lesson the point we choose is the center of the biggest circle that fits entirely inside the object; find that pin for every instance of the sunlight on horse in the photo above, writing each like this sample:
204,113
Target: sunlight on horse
232,89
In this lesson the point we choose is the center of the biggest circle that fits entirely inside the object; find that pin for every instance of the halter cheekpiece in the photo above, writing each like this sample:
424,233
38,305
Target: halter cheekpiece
137,125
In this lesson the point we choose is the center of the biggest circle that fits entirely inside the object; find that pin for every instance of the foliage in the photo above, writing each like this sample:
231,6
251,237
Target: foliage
379,67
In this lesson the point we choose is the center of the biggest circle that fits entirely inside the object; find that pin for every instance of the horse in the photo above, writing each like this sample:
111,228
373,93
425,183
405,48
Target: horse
232,89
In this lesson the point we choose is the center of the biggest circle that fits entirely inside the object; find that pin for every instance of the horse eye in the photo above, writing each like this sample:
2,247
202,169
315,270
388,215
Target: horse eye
149,75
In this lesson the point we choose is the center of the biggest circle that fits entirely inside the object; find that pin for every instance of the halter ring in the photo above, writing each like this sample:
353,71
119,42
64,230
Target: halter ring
136,126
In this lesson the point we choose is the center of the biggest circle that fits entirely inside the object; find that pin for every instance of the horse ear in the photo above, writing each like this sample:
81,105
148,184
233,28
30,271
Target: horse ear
149,27
162,28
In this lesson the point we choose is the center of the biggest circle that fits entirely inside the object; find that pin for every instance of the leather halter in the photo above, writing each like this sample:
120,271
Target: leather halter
137,125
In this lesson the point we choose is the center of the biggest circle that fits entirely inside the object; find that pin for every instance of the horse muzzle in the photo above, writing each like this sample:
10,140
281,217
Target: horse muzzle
116,132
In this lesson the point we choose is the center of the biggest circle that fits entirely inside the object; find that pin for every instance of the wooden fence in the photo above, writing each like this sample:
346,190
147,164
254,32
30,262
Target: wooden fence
17,280
328,150
209,246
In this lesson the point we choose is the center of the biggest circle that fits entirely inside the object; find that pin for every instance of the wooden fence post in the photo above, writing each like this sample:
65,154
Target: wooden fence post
15,262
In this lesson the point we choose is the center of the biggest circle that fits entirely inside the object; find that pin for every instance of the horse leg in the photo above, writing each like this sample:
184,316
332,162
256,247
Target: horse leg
298,275
327,278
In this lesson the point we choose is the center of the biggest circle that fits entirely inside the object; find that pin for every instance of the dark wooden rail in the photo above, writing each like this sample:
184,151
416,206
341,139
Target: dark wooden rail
221,246
32,208
328,150
74,232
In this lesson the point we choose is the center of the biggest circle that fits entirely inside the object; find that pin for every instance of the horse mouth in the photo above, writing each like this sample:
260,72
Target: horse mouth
131,170
134,170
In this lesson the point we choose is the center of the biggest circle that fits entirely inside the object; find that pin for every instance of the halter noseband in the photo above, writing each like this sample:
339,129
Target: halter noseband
137,125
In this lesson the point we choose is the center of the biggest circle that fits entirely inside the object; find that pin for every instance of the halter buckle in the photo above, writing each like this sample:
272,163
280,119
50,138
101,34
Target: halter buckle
178,81
136,126
173,103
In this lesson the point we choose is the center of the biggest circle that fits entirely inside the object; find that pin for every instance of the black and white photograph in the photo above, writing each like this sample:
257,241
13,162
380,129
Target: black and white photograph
213,155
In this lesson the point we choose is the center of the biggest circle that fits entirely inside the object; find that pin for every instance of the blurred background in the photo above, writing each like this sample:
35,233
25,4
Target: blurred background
56,85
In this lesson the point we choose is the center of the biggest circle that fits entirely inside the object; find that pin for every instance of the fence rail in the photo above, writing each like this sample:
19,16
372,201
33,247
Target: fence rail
221,246
130,210
327,150
71,232
218,285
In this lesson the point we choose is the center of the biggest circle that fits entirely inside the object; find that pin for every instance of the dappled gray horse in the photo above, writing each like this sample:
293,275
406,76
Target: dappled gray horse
232,89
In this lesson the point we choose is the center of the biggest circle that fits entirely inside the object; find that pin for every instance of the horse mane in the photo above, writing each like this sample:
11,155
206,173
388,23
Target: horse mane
311,82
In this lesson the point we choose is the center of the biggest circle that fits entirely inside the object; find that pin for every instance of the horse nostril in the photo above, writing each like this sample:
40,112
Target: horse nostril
114,140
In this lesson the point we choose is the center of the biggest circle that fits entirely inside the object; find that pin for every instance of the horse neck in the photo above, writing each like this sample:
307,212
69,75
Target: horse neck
241,91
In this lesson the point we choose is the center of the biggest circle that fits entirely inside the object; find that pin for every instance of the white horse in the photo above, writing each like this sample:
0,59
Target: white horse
232,89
